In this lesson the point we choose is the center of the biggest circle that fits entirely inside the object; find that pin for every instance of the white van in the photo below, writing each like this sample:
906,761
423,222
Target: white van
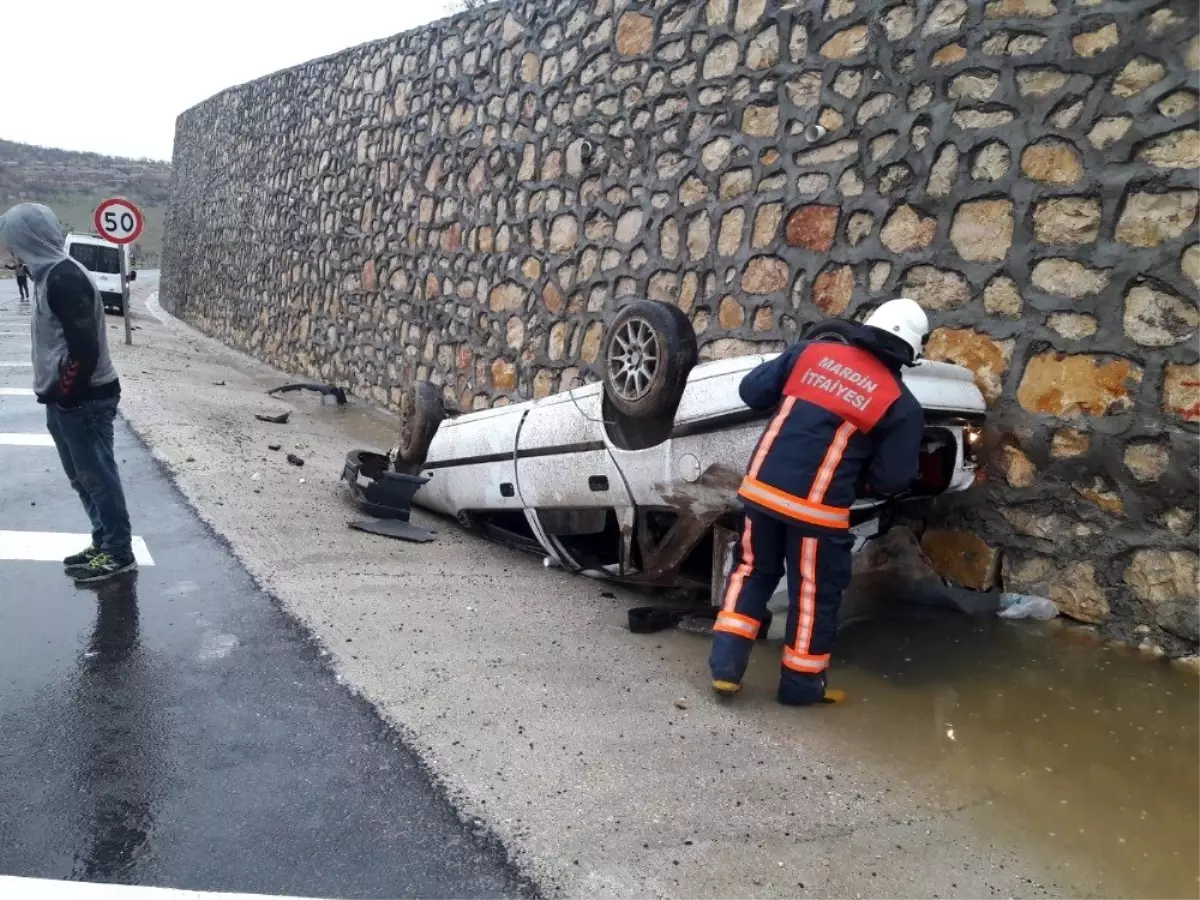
103,259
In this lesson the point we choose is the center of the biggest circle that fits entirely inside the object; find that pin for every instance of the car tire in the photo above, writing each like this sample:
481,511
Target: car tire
421,412
648,352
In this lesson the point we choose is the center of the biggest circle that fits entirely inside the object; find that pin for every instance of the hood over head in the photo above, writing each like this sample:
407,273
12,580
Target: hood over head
32,232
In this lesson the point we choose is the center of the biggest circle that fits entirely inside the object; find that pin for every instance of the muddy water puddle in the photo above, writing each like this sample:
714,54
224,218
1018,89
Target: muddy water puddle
1086,753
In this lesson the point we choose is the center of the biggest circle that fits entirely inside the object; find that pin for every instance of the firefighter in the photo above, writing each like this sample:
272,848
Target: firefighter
844,424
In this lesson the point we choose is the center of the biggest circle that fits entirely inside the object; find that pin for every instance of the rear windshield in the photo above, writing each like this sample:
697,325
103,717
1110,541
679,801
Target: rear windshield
101,260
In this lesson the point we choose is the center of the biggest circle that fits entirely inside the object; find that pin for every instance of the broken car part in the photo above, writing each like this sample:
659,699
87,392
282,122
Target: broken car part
376,490
394,528
280,419
327,390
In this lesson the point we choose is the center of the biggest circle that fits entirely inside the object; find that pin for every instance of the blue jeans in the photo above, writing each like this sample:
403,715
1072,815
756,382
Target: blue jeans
84,438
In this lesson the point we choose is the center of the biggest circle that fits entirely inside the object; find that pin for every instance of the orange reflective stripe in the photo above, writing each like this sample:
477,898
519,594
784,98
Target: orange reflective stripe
804,662
736,623
742,572
793,507
768,439
808,594
833,458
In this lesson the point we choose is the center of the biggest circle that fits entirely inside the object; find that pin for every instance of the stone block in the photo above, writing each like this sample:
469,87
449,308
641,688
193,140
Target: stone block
1039,81
729,239
749,14
504,375
763,51
983,230
936,289
991,161
1068,278
1138,74
564,234
1001,298
812,227
949,55
962,557
1076,385
944,172
1147,461
1073,326
1053,161
1189,263
760,121
833,289
1020,9
1158,318
946,17
507,297
1177,150
1108,131
1149,219
898,22
906,229
846,44
1072,588
1181,392
731,315
1165,582
828,153
986,357
765,275
1092,43
721,60
858,226
1068,443
766,225
1099,492
1177,104
589,350
1067,220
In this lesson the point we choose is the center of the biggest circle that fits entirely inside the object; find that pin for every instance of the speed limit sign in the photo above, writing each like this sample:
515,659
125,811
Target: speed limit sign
119,220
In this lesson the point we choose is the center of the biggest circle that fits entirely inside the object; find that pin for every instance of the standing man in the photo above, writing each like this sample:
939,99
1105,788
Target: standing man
75,379
843,421
22,273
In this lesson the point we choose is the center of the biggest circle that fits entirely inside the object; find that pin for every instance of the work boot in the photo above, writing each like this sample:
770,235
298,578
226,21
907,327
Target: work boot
102,567
83,557
726,688
796,689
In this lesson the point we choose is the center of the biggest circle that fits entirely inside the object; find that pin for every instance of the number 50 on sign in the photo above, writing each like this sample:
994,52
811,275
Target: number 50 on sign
119,220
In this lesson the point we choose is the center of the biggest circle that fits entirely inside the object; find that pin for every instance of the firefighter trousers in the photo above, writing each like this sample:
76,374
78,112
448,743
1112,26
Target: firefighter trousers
818,571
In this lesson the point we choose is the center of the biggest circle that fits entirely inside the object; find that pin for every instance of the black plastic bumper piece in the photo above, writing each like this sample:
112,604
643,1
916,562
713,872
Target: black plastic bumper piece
376,489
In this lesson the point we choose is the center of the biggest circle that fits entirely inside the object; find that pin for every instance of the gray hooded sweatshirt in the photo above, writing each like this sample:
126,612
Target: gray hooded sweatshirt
70,341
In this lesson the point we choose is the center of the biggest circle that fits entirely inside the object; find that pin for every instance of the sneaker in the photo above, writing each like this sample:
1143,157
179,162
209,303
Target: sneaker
102,567
83,557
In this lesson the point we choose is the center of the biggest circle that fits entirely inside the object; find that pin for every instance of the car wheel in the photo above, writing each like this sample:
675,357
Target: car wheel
648,352
421,413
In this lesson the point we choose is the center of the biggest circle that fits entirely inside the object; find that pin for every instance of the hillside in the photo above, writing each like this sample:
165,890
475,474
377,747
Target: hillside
72,184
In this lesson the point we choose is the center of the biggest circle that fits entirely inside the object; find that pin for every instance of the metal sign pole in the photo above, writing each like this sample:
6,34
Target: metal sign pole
125,295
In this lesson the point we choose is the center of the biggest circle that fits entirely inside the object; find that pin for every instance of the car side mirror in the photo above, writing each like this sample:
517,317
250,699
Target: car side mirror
132,275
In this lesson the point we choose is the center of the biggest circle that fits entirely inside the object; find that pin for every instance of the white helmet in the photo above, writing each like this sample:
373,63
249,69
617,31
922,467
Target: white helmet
905,319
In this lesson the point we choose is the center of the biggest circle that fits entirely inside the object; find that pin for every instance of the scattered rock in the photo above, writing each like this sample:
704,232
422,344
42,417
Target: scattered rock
295,460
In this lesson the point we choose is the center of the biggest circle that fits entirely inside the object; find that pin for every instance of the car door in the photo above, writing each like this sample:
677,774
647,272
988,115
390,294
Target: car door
569,483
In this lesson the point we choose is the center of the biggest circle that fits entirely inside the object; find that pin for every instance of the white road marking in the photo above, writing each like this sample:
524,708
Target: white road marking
16,392
9,439
46,889
52,546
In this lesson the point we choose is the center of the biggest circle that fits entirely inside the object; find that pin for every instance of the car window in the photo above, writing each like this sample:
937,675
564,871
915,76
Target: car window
101,260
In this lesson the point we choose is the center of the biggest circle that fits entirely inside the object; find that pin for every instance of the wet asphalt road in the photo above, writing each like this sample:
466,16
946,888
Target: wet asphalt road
175,729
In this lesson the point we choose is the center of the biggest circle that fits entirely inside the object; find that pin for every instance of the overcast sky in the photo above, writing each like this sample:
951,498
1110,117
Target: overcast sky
112,77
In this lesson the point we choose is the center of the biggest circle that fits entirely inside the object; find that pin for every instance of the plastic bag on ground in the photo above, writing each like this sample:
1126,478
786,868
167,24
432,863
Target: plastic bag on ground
1025,606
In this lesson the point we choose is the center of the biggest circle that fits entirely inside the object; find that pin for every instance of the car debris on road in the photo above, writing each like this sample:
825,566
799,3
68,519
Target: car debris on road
280,419
326,390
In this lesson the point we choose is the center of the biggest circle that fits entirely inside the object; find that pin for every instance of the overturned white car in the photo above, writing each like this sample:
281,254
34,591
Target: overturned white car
636,478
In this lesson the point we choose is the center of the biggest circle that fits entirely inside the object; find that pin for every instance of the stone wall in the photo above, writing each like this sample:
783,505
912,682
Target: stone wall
469,202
